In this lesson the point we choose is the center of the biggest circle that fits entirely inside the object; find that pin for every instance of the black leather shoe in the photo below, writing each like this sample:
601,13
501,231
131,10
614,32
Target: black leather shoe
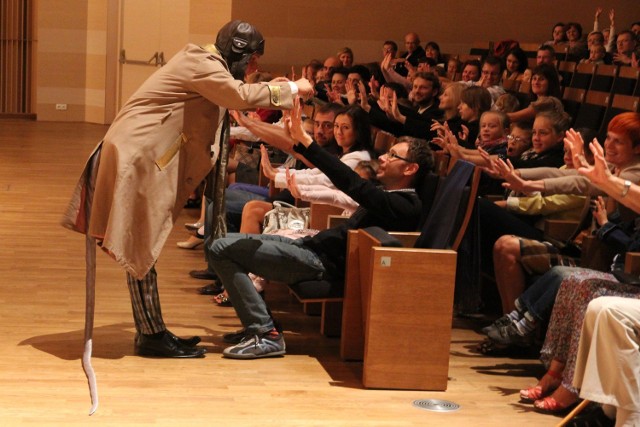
211,289
189,342
203,274
165,346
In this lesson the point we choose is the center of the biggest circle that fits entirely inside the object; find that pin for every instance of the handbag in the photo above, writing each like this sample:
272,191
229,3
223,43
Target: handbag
285,216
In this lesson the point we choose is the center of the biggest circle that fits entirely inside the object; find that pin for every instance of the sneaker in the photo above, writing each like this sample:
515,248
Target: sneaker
508,335
503,321
257,346
234,337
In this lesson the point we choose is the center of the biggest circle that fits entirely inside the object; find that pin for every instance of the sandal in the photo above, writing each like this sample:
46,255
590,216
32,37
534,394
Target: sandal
222,300
549,405
535,393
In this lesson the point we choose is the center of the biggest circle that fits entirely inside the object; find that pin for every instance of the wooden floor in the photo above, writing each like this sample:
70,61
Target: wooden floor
42,315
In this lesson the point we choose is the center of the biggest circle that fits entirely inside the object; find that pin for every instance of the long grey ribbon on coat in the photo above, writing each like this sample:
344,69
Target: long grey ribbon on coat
90,283
216,183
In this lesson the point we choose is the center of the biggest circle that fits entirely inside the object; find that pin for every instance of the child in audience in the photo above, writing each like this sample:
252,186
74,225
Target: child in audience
507,103
452,67
597,53
475,100
518,140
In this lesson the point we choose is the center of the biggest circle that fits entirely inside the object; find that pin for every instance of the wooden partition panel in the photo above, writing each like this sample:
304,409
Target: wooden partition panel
408,328
16,57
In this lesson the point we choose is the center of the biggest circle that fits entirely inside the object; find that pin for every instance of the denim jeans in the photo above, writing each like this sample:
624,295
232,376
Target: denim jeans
538,299
272,257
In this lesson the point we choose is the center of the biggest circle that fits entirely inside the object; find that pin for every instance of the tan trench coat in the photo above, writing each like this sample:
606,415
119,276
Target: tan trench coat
158,150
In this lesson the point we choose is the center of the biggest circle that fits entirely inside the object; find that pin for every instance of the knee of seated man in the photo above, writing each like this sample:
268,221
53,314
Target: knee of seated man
233,247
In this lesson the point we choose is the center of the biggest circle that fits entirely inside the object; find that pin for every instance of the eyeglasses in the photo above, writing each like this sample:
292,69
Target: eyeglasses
393,155
517,139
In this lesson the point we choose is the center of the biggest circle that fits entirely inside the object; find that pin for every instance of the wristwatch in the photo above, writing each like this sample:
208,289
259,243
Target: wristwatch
625,189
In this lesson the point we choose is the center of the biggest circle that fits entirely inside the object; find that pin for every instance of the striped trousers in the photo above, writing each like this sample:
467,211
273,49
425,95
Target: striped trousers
145,303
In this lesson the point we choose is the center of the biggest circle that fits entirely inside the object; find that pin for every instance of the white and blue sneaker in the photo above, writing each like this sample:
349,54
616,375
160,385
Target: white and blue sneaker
257,346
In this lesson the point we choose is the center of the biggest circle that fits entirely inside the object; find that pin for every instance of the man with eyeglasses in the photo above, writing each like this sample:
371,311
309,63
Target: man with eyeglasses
490,77
394,205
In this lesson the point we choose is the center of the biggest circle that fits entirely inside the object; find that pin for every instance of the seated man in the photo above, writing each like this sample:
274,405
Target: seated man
395,206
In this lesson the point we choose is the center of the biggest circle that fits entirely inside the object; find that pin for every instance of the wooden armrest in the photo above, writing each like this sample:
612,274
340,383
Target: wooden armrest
561,230
408,238
632,263
320,213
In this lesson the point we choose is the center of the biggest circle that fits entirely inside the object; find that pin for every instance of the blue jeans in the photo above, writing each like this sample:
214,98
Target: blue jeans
538,299
272,257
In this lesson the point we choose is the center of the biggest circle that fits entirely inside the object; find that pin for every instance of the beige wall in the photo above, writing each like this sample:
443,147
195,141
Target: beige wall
75,47
299,31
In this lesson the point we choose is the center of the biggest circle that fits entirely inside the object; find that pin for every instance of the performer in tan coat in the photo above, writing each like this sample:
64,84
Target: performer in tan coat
161,145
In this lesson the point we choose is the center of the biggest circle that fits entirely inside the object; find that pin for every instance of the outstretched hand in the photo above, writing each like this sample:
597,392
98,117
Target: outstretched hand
265,163
292,185
513,181
599,172
293,124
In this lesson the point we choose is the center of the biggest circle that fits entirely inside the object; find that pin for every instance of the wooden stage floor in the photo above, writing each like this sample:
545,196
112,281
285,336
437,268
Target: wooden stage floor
42,317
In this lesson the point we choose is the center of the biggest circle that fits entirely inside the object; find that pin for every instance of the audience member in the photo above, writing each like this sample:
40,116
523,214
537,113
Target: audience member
345,55
323,255
558,37
544,85
516,66
627,44
413,53
576,46
471,71
546,55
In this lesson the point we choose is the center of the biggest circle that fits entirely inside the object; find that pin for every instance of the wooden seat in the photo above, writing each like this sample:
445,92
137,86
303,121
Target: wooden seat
604,77
619,104
582,75
398,302
566,70
626,82
572,98
592,111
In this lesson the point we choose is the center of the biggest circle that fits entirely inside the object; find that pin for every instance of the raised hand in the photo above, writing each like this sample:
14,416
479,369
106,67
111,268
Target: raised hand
352,96
464,133
294,125
575,143
383,101
374,87
394,111
599,172
600,211
364,101
265,163
292,185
